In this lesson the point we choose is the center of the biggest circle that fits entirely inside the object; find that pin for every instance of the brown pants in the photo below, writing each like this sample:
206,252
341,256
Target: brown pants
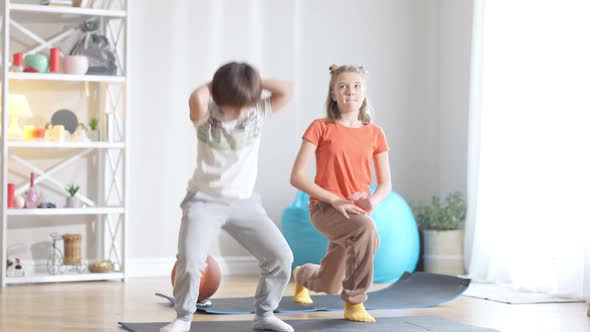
348,264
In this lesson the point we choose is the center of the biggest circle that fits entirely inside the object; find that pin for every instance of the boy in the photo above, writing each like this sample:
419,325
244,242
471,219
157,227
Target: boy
220,193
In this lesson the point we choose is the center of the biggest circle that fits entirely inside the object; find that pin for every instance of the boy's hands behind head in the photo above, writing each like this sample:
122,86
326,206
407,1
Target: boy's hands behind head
281,93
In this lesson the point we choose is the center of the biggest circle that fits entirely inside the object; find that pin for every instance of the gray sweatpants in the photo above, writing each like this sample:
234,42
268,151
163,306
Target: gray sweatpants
247,222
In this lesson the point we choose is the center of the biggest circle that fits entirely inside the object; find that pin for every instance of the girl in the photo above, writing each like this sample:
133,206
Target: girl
344,143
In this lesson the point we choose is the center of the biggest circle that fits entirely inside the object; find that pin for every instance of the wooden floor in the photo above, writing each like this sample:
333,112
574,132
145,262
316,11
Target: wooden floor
98,306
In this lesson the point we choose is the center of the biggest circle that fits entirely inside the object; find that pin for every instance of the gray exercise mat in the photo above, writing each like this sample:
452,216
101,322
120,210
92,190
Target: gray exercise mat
412,290
383,324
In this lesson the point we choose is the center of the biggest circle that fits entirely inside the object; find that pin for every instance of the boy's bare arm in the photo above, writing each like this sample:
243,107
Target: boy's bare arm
198,102
281,93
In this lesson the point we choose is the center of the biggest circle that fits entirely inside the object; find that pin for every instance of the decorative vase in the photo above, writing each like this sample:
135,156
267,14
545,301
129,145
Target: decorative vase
38,61
31,199
72,249
75,64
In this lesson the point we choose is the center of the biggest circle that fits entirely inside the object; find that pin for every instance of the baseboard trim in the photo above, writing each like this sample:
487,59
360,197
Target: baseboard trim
158,267
443,257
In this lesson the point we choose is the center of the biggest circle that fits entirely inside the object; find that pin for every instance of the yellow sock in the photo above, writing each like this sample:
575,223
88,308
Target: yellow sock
301,293
357,313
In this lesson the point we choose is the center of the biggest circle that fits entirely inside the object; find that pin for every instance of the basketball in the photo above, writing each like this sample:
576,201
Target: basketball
210,279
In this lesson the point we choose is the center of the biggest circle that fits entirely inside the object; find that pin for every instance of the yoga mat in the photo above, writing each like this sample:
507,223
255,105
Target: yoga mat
383,324
412,290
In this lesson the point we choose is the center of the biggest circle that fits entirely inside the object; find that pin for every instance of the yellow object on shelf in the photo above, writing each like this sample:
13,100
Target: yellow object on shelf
18,106
59,133
101,266
28,132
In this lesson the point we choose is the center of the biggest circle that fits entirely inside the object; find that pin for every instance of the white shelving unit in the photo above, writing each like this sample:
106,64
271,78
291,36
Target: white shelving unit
66,77
65,145
108,204
61,10
64,211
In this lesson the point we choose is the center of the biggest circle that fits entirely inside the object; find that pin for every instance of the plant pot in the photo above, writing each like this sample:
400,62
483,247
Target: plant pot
94,135
443,251
73,202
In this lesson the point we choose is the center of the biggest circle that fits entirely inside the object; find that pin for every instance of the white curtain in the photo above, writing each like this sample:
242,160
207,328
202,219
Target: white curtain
529,146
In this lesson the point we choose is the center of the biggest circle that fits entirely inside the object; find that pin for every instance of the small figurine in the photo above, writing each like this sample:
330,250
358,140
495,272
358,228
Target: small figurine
46,205
14,269
49,132
80,135
19,202
18,269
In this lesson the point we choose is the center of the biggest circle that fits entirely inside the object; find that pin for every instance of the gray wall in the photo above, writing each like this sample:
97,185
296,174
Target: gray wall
417,54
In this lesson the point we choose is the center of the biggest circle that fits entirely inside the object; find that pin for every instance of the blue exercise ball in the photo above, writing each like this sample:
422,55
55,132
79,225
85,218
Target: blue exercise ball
307,244
399,246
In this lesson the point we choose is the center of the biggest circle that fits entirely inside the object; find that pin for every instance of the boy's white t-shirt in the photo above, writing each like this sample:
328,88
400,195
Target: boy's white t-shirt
227,153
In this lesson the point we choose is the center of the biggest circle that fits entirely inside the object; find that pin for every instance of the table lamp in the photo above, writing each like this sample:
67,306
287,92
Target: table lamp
18,106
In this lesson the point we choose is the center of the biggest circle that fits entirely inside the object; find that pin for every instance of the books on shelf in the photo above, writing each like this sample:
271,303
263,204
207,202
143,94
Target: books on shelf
67,3
73,3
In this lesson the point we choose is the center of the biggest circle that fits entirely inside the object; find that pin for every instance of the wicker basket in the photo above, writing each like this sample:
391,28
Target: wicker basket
72,249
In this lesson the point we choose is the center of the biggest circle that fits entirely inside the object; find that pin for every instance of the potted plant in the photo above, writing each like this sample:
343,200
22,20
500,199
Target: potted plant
93,125
442,239
73,201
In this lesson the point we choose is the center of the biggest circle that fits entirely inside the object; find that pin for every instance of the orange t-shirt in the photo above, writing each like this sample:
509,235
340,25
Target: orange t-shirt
344,155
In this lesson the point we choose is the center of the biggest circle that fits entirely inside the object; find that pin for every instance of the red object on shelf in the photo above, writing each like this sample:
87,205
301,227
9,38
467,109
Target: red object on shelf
54,60
18,62
39,133
10,199
31,70
18,59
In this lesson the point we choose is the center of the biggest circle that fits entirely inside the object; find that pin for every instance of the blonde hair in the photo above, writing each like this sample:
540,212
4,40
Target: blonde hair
332,111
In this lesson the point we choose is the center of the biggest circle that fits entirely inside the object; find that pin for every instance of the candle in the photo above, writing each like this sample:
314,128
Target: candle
10,199
59,133
39,134
18,62
54,60
28,132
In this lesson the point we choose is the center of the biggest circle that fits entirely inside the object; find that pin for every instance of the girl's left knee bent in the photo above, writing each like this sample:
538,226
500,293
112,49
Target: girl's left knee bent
368,228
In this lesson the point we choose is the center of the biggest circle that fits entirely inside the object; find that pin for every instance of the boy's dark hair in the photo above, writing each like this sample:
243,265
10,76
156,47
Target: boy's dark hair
236,84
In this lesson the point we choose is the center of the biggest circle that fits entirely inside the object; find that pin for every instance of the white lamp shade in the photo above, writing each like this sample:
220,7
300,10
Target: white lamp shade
19,105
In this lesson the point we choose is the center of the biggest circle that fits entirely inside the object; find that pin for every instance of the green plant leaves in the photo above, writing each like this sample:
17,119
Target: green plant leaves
72,189
441,216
